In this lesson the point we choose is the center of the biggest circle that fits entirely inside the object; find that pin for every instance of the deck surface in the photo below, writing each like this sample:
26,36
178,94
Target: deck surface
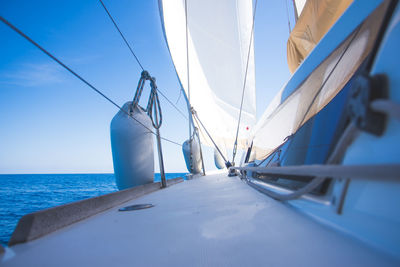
209,221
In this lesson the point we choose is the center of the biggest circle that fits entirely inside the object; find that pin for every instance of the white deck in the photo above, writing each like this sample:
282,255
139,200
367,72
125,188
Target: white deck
210,221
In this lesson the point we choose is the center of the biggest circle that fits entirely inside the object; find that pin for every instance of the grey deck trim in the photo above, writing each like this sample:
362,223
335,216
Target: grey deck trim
362,172
38,224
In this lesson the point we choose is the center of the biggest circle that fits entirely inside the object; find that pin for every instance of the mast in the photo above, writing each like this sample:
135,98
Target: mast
216,68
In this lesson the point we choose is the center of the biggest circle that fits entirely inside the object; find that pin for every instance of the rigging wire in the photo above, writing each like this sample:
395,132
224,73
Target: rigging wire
187,66
244,84
123,37
330,74
169,101
6,22
137,59
190,109
348,136
287,15
170,141
179,97
197,119
316,95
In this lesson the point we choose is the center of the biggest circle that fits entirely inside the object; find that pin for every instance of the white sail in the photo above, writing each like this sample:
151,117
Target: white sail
219,37
299,5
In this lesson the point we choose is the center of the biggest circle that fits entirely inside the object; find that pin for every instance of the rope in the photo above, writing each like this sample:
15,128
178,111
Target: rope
154,103
346,139
244,85
350,134
227,163
374,172
77,75
137,59
139,88
387,106
330,74
319,90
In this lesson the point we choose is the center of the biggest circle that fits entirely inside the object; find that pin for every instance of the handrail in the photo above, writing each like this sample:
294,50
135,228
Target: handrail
359,172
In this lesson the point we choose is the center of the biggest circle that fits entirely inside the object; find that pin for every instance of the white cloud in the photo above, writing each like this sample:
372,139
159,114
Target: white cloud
30,75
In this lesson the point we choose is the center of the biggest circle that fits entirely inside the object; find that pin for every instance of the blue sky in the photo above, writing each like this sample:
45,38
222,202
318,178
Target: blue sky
53,123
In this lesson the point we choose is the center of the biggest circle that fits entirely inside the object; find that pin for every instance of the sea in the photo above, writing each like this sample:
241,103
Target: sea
21,194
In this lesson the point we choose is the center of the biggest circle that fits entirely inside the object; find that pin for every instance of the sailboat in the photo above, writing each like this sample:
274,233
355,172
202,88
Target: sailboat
317,181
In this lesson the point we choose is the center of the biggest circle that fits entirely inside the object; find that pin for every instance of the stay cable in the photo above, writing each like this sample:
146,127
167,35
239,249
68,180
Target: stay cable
6,22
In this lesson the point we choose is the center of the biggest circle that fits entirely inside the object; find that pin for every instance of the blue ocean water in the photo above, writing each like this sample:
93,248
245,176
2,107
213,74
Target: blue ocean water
21,194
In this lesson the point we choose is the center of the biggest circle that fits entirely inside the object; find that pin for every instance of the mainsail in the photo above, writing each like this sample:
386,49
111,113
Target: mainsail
218,50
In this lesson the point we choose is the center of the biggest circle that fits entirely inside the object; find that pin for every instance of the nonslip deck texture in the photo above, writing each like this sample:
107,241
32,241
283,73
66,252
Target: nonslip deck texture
211,221
37,224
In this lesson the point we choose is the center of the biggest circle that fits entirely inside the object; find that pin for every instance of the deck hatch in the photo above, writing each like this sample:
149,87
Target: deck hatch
136,207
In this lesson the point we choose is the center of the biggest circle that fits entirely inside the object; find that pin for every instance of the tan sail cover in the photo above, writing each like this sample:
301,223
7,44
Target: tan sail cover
283,119
316,18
